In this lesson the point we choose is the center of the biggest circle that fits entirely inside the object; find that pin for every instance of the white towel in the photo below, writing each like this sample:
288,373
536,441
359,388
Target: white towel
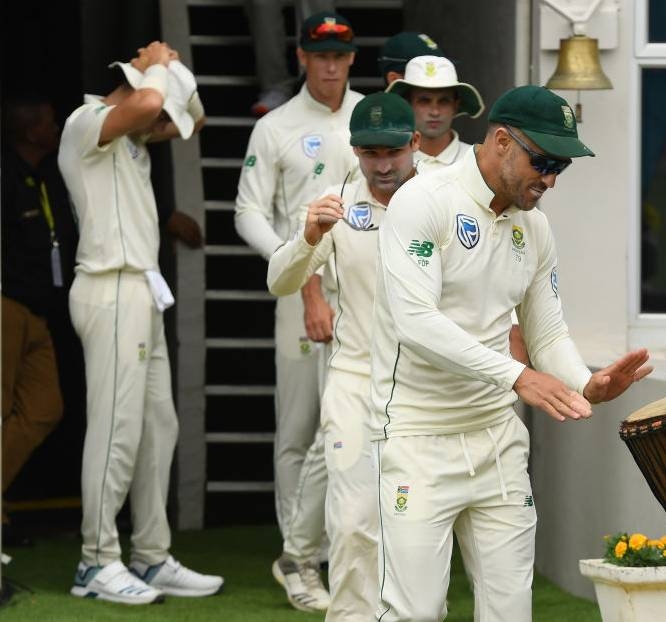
159,289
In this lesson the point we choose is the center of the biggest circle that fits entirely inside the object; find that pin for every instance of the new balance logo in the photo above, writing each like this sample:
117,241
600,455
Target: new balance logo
528,502
421,249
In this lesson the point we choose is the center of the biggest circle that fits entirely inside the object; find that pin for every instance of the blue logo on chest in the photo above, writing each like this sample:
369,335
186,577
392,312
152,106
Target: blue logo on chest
468,230
360,215
312,144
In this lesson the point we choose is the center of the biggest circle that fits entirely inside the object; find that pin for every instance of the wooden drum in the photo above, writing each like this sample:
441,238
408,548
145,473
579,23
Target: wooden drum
644,432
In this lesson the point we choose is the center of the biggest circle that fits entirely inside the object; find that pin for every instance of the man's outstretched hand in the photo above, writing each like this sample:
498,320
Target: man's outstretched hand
610,382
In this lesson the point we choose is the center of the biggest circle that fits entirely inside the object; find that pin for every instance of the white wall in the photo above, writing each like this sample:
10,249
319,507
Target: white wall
586,483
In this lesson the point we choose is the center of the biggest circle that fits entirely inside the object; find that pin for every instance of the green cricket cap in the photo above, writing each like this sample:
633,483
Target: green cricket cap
327,31
401,48
544,117
381,119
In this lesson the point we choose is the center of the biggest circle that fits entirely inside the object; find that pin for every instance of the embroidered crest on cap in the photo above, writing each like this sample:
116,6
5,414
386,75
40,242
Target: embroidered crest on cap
376,115
568,117
430,69
468,230
428,41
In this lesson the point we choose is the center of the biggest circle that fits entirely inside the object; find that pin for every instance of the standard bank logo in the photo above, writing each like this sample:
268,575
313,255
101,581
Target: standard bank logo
468,230
312,144
360,214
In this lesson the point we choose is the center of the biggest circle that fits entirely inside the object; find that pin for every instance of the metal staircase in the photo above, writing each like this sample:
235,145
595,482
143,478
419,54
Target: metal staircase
226,376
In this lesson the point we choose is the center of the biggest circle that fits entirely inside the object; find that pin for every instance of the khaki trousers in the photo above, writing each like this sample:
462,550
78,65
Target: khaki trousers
31,401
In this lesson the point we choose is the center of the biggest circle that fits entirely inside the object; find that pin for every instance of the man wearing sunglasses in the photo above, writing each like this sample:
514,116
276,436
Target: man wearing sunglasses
459,249
343,225
295,151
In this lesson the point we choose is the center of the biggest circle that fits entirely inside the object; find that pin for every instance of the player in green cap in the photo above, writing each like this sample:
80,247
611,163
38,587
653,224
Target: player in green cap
343,225
459,249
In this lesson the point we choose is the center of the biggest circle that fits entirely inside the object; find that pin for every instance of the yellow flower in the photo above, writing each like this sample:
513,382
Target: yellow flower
663,539
620,549
656,543
637,541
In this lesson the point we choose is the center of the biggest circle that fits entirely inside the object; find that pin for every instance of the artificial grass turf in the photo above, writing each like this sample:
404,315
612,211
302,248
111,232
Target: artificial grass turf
244,556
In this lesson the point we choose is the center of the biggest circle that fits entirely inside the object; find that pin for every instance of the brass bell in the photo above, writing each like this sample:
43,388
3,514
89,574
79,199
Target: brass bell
578,66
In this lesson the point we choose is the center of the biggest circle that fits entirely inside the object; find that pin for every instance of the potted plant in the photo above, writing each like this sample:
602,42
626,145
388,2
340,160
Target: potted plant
630,580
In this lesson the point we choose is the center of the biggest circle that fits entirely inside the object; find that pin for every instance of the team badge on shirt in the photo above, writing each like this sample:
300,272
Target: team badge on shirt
401,498
468,230
133,149
517,237
312,144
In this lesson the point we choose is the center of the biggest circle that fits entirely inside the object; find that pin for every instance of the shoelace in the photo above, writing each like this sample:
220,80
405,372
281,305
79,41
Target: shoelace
311,578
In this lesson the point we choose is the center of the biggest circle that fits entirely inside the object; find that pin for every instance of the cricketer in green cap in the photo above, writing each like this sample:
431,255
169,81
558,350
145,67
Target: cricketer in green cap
400,49
381,119
545,118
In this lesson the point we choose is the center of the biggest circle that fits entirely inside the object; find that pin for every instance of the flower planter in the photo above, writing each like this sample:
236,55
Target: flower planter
627,594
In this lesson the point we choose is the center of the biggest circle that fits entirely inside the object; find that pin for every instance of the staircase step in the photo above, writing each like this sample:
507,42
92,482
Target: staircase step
240,437
220,184
240,366
244,272
226,318
232,464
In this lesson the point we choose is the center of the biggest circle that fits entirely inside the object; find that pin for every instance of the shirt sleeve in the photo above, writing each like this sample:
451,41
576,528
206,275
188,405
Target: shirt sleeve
295,262
541,320
84,128
414,293
256,190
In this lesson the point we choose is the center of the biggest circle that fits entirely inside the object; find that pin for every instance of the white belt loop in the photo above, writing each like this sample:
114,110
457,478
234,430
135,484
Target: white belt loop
463,444
505,496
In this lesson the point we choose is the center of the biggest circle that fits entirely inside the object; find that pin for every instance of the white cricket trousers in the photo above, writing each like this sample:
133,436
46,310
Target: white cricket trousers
298,368
132,424
351,498
425,483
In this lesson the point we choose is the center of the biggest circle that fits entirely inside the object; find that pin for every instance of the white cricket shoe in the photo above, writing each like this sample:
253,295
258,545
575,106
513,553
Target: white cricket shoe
302,584
172,578
114,583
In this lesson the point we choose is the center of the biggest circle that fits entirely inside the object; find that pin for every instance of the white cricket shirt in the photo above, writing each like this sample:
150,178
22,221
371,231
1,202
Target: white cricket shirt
451,271
294,152
112,194
454,151
355,259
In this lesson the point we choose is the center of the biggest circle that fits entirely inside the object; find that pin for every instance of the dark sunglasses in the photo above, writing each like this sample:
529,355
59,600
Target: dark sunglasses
330,30
358,215
541,163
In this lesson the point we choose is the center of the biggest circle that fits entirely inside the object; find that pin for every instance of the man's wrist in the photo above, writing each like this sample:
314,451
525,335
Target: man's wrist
155,77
